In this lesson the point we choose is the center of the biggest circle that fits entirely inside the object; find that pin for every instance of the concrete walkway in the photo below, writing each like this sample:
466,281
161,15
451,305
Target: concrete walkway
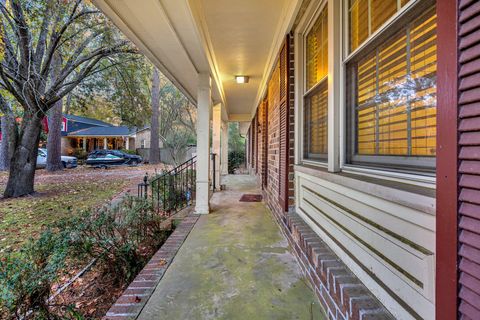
235,264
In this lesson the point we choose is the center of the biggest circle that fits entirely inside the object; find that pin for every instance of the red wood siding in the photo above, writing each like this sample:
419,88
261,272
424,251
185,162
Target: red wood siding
469,158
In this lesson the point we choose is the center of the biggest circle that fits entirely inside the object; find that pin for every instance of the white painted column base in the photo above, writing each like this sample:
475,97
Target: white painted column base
203,144
203,207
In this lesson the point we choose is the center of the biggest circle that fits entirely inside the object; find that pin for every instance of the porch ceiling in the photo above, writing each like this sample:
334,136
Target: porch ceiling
244,37
222,37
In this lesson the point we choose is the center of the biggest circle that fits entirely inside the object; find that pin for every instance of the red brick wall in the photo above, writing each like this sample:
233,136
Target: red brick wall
340,292
272,191
266,154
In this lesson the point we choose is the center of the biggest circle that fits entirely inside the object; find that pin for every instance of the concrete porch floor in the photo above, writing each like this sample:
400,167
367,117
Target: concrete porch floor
235,264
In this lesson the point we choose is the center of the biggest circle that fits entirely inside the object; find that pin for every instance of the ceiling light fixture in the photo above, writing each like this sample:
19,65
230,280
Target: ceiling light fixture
242,79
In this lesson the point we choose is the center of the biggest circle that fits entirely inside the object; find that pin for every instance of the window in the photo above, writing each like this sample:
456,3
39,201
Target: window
142,144
315,142
317,51
316,123
392,94
367,16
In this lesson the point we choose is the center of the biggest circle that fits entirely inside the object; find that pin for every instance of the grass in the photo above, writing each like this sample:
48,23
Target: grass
23,218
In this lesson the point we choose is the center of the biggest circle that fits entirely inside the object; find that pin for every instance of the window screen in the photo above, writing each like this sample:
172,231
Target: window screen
315,123
393,90
367,16
316,100
317,51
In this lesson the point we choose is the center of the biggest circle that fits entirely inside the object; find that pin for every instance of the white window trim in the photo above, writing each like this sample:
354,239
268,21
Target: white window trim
338,58
305,25
414,178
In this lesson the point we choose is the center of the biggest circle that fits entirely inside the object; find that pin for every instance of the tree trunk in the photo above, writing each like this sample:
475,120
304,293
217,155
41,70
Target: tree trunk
4,147
69,103
154,129
7,127
24,158
54,138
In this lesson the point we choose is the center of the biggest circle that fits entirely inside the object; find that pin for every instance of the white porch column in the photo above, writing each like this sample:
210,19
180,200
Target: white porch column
203,143
216,140
84,144
127,143
224,169
105,143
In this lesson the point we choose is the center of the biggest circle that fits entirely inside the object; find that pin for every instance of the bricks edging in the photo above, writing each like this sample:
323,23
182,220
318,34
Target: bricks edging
132,301
342,295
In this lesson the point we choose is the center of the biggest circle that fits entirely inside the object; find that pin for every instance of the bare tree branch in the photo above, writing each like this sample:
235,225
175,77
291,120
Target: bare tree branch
42,38
24,39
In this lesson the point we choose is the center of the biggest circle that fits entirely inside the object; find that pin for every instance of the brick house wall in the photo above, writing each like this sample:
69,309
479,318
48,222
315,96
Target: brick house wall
273,179
340,292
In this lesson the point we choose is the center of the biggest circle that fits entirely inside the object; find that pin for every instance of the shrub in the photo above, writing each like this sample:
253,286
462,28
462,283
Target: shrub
80,154
26,277
122,238
235,160
129,151
118,235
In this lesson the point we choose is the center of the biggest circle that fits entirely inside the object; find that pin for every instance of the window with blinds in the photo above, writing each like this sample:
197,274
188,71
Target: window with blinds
315,113
317,51
367,16
393,97
316,124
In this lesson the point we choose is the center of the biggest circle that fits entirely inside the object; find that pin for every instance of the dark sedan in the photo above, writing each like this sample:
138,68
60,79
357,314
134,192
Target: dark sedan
106,158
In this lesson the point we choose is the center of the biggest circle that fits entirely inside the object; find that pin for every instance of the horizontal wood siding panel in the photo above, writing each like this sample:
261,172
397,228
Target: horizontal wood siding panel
469,159
470,138
470,110
470,268
394,243
470,54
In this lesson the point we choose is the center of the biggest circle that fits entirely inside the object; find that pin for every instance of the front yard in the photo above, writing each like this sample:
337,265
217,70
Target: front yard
60,195
111,243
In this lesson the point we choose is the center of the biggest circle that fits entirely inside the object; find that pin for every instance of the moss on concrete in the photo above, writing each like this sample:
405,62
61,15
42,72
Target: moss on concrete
235,264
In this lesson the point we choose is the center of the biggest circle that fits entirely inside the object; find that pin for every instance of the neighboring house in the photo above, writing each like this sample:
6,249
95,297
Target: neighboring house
142,139
91,134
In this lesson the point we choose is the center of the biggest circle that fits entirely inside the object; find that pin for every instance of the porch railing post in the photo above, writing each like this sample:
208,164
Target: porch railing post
214,173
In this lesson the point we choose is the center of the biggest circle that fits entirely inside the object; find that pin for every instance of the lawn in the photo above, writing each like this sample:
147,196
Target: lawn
60,195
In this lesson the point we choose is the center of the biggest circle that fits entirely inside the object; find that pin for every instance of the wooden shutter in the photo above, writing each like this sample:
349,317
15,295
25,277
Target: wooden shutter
265,143
469,173
252,145
284,126
255,130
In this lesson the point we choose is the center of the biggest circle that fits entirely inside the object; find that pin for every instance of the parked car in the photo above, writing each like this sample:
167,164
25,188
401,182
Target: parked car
68,162
105,158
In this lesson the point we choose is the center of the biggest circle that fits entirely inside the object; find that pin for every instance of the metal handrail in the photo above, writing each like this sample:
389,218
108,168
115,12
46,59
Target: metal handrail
173,190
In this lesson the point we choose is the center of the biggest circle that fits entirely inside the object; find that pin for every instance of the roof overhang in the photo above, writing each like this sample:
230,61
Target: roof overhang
223,38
